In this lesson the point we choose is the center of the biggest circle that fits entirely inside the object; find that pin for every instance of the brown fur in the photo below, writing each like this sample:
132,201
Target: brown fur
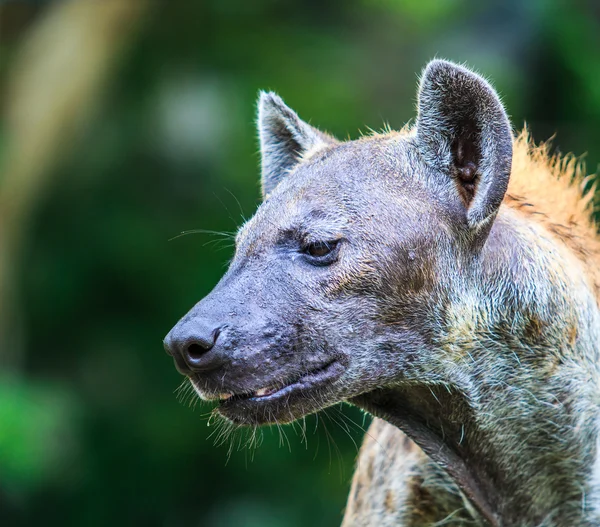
395,484
550,190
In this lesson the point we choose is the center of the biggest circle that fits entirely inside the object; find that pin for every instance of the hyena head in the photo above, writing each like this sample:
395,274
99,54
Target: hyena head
340,282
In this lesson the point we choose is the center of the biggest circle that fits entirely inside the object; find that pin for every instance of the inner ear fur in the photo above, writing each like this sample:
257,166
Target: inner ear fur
463,132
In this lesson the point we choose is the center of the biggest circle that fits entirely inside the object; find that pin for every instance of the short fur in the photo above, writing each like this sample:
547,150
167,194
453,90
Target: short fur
548,190
444,279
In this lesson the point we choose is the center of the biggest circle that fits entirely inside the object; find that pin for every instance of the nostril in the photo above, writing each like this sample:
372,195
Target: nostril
195,351
199,346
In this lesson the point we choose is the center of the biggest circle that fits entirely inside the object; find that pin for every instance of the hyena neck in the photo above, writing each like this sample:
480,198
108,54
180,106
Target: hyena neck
421,414
512,412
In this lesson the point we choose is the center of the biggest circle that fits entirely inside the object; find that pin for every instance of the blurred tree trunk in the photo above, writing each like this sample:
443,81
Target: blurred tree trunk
55,84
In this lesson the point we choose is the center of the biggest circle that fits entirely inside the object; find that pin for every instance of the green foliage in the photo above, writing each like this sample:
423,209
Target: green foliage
37,437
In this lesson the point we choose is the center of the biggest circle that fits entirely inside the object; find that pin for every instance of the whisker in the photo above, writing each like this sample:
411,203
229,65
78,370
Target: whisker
239,204
229,235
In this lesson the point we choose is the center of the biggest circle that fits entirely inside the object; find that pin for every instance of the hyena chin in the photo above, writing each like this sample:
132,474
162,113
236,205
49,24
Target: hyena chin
446,279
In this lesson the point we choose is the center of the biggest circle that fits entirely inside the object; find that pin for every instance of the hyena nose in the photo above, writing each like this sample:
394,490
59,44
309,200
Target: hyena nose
192,347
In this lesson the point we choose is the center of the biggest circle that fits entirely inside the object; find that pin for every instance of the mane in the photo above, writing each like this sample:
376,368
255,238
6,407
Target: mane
553,190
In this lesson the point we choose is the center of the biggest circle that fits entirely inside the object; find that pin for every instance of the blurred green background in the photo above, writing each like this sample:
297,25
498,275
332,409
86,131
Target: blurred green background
126,122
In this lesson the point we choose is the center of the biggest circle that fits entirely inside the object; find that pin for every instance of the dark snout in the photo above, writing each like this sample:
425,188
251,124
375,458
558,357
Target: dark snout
215,341
193,343
240,340
241,346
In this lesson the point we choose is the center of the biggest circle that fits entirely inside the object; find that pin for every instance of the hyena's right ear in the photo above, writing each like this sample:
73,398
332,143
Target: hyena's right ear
284,139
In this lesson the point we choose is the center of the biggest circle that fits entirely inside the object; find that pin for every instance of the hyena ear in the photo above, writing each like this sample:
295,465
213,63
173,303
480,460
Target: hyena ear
463,132
284,138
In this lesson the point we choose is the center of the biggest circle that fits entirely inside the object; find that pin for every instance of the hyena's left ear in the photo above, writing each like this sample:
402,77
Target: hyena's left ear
463,132
284,139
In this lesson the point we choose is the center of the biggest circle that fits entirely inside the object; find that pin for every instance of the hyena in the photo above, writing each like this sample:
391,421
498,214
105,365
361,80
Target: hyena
445,279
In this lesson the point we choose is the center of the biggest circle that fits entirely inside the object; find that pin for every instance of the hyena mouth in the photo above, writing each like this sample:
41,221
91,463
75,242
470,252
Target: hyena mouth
269,396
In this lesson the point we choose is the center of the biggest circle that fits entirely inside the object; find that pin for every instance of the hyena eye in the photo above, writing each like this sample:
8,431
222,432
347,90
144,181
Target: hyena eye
321,253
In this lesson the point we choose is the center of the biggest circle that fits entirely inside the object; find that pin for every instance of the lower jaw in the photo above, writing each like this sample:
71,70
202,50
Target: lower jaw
246,415
308,395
